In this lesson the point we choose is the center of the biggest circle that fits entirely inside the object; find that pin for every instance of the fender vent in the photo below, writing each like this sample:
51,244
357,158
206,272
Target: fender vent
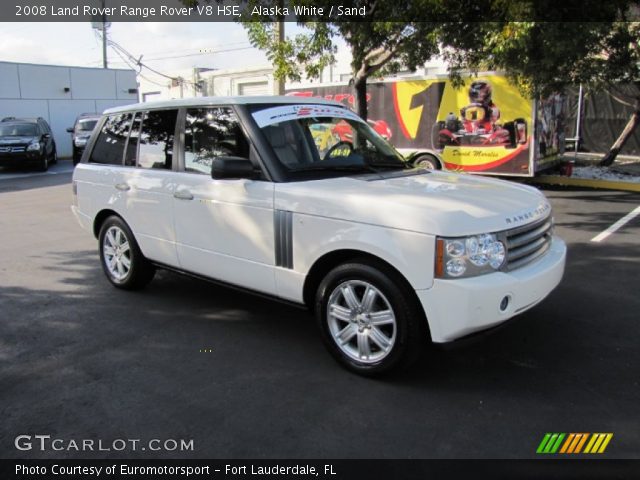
283,235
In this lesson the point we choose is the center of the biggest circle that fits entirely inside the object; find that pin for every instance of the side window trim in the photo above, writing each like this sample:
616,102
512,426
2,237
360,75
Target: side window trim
178,141
126,143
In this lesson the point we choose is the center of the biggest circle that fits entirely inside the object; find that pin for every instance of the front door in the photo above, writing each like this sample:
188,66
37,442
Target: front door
224,228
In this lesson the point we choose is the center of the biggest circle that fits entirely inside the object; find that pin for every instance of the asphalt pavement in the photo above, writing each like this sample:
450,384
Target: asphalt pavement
246,377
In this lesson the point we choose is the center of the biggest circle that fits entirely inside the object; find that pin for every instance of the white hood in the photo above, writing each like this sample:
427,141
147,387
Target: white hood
436,203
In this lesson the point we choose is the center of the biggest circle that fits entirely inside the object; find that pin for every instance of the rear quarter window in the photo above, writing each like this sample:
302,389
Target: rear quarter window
109,146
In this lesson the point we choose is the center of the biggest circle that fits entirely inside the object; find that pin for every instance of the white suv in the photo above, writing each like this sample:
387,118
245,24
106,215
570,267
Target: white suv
300,199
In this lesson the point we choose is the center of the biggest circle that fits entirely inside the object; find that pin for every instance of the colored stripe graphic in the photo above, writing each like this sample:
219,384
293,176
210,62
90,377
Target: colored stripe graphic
598,442
550,443
574,443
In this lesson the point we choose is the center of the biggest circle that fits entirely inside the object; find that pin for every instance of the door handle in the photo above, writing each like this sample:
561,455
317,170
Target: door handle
183,195
123,187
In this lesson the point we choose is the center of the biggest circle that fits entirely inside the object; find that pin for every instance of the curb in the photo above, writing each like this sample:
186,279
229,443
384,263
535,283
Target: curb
585,182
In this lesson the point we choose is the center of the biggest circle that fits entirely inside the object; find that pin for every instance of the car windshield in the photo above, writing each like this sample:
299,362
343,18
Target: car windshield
18,130
325,139
86,125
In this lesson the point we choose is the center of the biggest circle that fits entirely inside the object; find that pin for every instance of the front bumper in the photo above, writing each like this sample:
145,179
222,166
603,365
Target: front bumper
22,159
455,308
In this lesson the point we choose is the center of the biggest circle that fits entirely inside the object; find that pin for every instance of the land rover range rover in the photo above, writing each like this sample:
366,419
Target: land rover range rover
258,193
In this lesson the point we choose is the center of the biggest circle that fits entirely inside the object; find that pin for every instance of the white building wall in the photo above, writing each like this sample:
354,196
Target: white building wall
217,83
29,90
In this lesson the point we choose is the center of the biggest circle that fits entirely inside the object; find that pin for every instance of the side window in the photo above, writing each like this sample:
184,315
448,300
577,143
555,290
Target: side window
109,146
156,139
211,132
131,152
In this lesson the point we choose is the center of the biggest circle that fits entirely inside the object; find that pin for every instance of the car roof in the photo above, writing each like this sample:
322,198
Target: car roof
215,101
88,116
20,120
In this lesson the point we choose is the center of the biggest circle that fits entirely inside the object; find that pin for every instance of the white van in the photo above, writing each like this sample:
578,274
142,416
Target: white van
262,193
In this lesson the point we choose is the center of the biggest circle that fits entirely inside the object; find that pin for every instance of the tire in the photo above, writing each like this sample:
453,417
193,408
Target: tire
427,161
76,156
43,166
394,341
54,156
126,268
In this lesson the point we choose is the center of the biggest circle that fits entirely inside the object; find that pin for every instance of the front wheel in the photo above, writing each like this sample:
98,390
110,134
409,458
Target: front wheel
368,321
121,258
43,165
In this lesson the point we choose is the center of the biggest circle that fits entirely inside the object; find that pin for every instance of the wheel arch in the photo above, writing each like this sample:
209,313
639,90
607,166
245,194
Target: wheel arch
327,262
101,217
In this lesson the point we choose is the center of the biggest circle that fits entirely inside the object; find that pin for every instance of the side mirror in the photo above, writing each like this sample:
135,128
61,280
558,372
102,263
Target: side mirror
46,136
232,167
70,130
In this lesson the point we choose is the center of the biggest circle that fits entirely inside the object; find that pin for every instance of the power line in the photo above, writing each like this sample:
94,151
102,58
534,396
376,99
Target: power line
130,59
201,53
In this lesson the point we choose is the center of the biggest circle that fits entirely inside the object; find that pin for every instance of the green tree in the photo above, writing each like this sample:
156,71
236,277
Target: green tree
542,57
378,46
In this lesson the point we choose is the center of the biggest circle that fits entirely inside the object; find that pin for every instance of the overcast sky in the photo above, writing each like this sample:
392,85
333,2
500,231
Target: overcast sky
77,44
166,47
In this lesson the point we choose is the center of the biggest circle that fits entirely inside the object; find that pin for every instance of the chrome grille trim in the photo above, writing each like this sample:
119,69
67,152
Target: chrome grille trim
12,149
527,243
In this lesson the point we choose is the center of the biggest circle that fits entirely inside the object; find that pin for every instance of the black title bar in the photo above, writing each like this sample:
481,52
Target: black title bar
321,11
319,469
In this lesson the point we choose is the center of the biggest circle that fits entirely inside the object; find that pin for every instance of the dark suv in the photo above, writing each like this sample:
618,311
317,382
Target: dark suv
26,142
80,133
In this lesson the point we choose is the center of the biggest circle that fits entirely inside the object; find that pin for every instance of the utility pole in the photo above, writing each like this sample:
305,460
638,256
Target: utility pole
105,63
278,84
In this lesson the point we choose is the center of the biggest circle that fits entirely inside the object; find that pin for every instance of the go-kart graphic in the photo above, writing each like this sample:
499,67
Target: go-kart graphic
476,129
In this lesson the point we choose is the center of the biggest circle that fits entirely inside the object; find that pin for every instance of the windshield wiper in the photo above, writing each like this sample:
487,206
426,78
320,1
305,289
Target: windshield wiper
388,165
336,168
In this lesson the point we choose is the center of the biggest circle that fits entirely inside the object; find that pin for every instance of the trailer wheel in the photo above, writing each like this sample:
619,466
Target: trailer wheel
427,161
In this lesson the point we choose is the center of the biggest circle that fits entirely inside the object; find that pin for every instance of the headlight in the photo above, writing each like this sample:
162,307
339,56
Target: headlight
469,256
80,141
33,146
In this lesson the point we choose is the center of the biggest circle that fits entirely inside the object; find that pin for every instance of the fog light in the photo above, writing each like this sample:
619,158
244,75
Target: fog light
504,303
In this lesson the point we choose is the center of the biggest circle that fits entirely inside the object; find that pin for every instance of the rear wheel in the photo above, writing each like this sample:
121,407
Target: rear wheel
368,321
121,258
427,161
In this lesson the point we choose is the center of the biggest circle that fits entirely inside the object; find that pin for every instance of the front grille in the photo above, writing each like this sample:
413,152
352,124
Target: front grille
12,149
527,243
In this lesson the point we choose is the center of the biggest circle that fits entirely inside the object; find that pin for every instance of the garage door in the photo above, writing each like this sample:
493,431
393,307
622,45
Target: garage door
253,88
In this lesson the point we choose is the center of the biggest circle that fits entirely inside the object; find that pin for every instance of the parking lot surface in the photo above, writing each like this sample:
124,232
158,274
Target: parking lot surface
244,376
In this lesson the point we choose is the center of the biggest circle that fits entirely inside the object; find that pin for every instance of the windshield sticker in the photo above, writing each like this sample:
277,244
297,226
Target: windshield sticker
284,113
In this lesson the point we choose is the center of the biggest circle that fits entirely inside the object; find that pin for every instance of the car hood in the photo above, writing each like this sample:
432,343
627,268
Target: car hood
438,203
17,140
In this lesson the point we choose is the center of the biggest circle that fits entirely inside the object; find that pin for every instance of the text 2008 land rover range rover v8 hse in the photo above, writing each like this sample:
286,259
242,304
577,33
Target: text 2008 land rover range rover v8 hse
262,193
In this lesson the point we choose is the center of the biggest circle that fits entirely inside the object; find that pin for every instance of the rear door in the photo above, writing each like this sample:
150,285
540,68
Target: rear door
148,183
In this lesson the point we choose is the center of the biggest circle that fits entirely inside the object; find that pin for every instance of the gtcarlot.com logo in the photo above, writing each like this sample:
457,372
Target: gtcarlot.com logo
573,443
47,443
